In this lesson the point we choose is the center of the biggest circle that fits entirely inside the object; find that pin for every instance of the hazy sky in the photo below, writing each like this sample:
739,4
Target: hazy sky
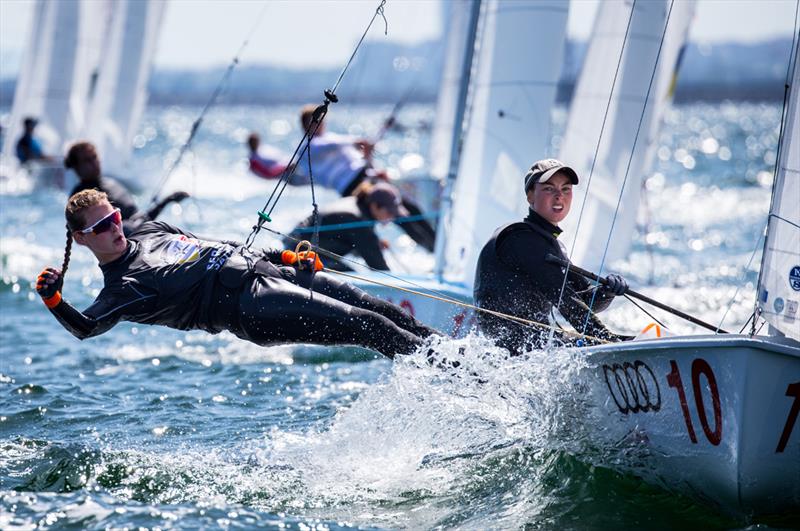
304,33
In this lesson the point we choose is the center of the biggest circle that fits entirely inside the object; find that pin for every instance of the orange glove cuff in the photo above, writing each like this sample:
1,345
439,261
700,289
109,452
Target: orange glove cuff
288,257
52,302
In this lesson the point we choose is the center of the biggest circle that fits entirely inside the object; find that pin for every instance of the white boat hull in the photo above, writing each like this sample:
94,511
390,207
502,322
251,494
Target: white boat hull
713,416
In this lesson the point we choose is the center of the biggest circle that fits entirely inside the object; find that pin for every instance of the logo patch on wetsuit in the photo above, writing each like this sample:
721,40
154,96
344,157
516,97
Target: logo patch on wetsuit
218,258
181,250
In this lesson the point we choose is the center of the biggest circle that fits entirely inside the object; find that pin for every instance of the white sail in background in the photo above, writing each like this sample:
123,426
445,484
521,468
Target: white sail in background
121,93
56,78
644,57
779,282
458,16
513,89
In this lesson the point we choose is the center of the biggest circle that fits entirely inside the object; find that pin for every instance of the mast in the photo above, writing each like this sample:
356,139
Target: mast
456,142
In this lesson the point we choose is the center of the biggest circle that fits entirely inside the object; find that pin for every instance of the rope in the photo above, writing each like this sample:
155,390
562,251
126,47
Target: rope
438,295
303,148
741,280
217,91
630,158
520,320
597,149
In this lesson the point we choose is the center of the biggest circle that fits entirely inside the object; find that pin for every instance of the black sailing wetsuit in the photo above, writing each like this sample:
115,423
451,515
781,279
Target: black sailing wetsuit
169,277
513,277
120,198
359,237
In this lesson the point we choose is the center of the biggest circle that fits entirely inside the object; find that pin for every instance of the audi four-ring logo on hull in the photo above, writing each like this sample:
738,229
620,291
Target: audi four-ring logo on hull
633,386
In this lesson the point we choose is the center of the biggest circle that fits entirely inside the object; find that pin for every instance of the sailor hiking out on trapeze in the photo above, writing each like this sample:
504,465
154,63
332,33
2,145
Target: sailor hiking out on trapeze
166,276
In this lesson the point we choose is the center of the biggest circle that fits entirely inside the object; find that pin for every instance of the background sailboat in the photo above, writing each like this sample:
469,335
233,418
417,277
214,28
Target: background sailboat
508,81
84,76
614,118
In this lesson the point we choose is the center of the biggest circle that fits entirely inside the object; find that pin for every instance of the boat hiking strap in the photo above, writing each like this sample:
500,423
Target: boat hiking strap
428,293
303,148
217,91
630,157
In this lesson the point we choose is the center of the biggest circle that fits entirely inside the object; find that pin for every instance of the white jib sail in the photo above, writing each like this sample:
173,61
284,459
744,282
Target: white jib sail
779,283
121,93
513,89
605,117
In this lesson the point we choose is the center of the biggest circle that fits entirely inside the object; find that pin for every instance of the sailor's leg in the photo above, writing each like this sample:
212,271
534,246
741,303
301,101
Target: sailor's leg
342,291
274,311
421,231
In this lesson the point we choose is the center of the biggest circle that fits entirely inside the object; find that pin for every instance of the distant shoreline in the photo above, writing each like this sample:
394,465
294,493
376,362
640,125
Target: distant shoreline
708,73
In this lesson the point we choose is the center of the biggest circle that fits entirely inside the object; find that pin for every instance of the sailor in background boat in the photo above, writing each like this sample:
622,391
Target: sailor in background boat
513,277
166,276
266,162
28,148
342,163
348,225
83,160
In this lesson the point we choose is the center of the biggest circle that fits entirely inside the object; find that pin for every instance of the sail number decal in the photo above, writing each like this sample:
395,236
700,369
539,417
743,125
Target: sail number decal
792,390
700,367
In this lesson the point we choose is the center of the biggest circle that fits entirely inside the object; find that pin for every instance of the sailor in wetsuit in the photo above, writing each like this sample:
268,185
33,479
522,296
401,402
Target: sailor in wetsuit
82,158
513,277
163,275
348,225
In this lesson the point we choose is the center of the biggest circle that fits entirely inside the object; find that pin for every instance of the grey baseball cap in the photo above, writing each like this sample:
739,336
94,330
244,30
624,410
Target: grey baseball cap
387,196
542,170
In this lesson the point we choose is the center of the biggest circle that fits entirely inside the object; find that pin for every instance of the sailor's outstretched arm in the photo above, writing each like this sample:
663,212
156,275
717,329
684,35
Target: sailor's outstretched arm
100,317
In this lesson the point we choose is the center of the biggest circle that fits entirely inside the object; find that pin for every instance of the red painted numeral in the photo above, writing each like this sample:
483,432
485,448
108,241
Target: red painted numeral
700,366
792,390
674,380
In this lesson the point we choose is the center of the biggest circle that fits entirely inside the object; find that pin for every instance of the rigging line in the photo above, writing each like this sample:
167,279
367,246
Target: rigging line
519,320
597,149
630,159
341,258
653,317
378,11
438,295
319,114
741,280
217,91
782,132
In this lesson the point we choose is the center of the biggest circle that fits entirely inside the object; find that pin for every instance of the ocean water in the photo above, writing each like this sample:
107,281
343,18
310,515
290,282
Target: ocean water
147,427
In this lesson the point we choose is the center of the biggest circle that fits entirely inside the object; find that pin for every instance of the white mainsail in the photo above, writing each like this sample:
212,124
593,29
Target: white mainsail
121,92
605,118
779,282
513,90
56,77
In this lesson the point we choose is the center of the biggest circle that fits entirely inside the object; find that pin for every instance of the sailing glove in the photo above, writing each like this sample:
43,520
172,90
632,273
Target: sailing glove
616,284
303,258
48,286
